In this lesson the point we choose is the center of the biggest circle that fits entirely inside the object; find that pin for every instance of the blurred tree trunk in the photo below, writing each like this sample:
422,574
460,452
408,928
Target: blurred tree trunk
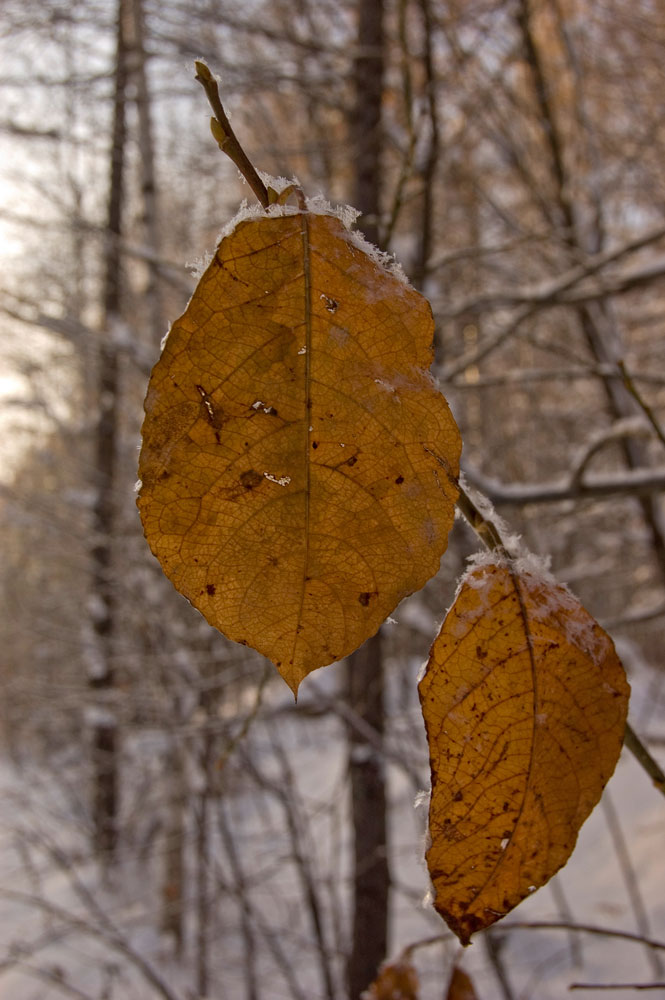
173,871
203,854
101,670
156,322
366,132
597,321
371,880
430,161
206,749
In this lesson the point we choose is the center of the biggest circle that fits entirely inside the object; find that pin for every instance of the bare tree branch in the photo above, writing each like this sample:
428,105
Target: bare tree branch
564,289
633,482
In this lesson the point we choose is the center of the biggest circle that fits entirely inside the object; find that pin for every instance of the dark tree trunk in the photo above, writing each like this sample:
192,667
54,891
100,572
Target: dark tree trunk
371,880
101,673
366,131
428,170
368,798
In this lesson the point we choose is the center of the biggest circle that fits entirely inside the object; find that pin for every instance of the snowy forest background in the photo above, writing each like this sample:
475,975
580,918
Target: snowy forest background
171,824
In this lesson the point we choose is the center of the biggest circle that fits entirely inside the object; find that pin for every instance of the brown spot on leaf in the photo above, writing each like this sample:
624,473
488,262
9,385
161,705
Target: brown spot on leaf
250,479
210,589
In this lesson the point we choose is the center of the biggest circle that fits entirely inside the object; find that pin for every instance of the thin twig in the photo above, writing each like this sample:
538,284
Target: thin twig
637,748
493,948
622,428
556,888
616,986
646,409
340,708
242,890
244,729
488,345
488,532
630,878
408,951
225,136
507,926
303,859
561,925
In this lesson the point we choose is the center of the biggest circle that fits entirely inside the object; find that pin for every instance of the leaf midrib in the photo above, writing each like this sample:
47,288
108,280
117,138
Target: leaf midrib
529,774
307,295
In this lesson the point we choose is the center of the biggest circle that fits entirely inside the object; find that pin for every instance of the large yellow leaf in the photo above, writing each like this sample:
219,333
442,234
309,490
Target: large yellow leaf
298,464
525,704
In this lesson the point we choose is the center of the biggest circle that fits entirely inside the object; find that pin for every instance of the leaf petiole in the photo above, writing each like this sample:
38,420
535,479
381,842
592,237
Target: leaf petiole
225,136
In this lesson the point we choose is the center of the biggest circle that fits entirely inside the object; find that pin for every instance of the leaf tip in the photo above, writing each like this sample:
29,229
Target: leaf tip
291,677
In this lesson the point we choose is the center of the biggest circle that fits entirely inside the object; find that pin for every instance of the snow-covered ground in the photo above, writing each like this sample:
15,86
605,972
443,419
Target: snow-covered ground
63,932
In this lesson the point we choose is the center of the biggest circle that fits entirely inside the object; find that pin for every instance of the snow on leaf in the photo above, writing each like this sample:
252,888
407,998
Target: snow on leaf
307,572
525,703
280,480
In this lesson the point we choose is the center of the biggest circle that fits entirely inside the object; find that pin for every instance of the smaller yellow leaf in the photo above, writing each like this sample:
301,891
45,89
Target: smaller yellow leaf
396,981
525,704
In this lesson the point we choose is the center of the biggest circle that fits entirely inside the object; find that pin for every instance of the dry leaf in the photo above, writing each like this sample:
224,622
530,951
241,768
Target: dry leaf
525,705
298,464
395,981
461,987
